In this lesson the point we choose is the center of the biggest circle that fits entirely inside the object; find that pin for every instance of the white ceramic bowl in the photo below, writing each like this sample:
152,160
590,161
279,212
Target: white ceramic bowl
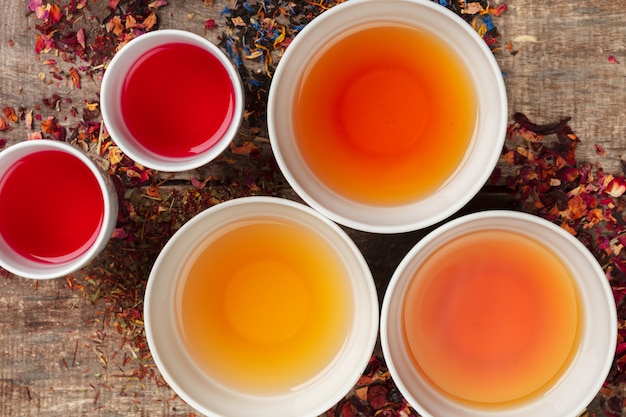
27,268
485,146
580,382
110,100
204,392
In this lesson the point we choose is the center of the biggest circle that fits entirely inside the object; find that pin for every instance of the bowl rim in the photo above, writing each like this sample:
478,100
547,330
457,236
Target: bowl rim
607,328
39,271
109,100
358,346
383,219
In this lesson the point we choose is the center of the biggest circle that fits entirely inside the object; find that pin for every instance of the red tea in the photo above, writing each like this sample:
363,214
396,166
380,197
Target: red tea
51,207
385,115
177,100
492,317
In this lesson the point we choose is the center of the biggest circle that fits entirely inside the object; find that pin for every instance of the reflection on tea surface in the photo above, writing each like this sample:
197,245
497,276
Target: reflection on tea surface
264,305
385,114
492,317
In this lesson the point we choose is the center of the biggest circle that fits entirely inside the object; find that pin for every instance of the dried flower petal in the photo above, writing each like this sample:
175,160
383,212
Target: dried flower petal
10,114
119,233
157,3
55,13
150,21
115,155
246,149
75,77
34,4
80,37
616,187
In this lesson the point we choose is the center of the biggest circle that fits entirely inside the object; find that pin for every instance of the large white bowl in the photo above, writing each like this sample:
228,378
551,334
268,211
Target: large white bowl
205,393
580,382
480,158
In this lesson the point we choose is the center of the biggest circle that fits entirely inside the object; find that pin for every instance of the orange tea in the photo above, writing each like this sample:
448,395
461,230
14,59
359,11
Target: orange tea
264,305
385,114
492,317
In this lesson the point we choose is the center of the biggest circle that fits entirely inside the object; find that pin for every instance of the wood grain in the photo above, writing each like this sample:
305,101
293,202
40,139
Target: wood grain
56,358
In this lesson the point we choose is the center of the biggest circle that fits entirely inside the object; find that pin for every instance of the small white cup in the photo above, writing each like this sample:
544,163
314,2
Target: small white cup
593,353
204,391
111,93
30,268
480,157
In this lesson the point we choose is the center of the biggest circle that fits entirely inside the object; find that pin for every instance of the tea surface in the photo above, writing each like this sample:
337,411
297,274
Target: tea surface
265,306
385,115
177,100
492,317
56,222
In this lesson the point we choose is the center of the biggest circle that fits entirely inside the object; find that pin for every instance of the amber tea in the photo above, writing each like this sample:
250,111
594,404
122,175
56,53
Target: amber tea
385,114
264,305
492,317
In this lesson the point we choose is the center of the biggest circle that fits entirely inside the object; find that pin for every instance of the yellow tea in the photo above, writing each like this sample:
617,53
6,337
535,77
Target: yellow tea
385,114
492,317
264,305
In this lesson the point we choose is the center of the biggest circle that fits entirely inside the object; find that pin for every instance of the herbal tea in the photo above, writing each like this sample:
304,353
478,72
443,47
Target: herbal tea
51,207
492,317
264,306
385,115
177,100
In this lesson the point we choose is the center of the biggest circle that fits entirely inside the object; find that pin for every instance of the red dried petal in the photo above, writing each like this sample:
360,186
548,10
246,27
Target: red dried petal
499,10
377,396
34,4
248,148
568,174
119,233
616,187
577,207
75,77
157,3
10,114
210,24
80,37
3,124
197,183
54,12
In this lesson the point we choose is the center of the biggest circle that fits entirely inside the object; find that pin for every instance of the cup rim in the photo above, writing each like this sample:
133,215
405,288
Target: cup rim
597,341
43,271
109,101
176,366
379,218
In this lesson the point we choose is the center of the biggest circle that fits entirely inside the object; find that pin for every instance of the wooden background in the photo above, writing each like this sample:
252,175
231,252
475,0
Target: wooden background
51,353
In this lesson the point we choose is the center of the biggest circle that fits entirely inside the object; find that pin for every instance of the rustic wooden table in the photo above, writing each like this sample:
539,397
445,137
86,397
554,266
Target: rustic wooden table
56,358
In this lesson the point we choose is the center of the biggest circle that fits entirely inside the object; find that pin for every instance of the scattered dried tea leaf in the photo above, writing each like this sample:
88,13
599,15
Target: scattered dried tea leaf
10,114
248,148
75,77
115,155
4,125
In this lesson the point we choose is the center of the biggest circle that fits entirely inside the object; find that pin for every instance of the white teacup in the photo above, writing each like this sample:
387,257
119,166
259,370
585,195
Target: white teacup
187,116
327,176
514,321
63,215
242,267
